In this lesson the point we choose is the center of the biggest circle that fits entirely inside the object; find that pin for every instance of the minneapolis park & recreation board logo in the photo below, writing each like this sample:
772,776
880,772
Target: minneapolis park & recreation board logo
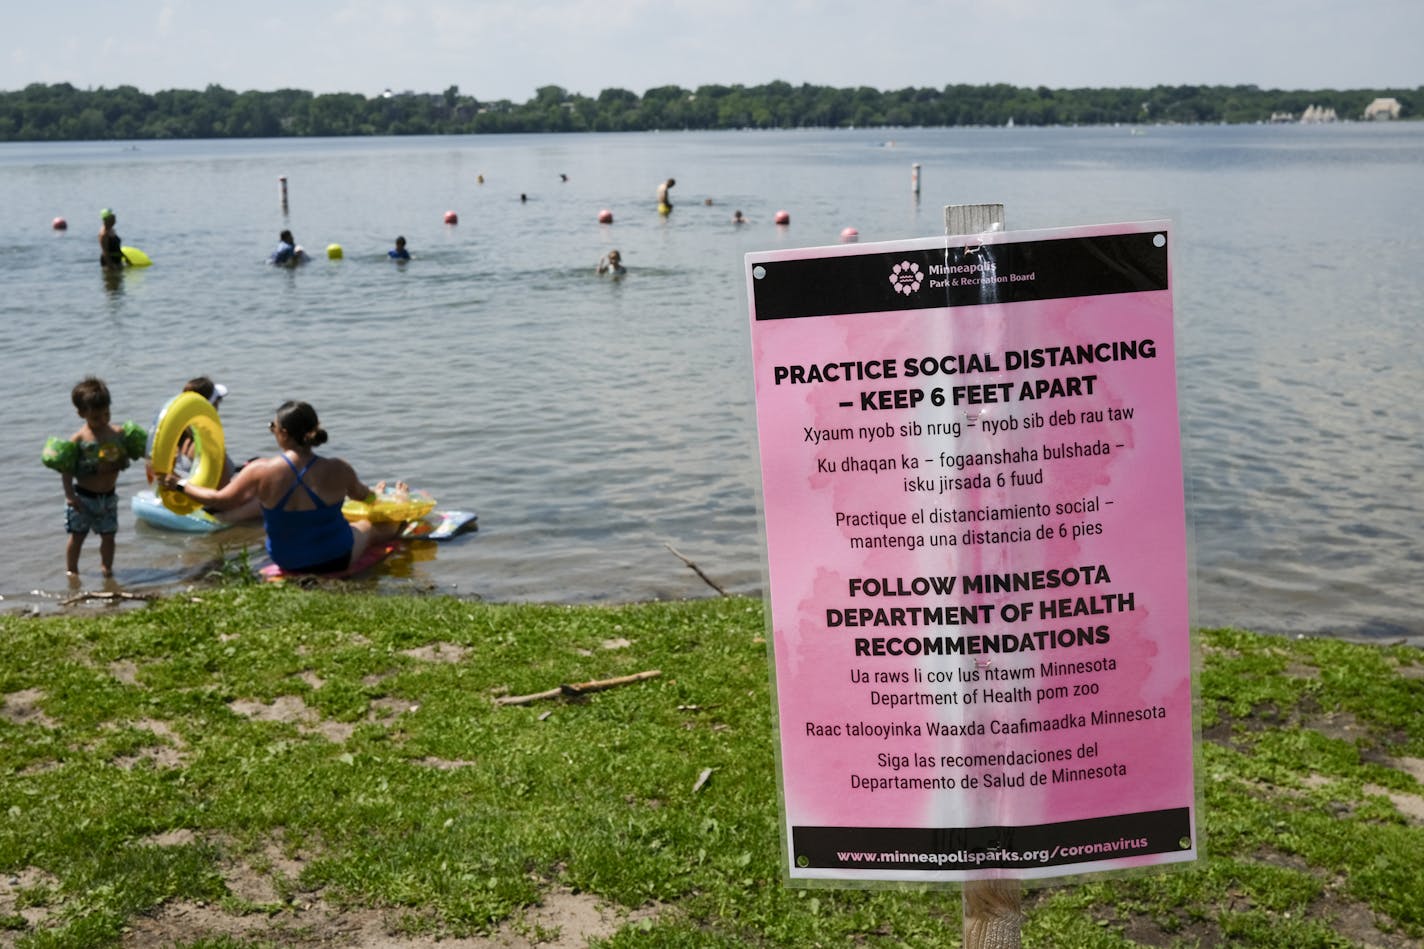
905,277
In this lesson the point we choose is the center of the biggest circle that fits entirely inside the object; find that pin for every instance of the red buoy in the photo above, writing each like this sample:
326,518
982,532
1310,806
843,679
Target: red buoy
451,217
782,217
59,224
849,235
605,216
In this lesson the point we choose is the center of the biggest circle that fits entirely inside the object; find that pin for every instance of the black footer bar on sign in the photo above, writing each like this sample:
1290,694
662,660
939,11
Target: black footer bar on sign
968,848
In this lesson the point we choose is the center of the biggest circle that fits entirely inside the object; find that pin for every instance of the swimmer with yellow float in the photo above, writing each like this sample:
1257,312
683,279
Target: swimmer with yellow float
113,255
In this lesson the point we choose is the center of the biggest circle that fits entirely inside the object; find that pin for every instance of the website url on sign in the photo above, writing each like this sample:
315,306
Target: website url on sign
977,857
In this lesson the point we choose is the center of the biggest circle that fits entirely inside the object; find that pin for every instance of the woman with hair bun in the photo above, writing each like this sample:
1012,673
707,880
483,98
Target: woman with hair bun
301,494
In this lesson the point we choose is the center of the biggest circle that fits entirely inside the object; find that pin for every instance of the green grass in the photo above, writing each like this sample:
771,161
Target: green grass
144,763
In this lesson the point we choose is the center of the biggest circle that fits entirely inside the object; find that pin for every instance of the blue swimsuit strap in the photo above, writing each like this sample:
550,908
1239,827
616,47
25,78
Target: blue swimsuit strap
282,504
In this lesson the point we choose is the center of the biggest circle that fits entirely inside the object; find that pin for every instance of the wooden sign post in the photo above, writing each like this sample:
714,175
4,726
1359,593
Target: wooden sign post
992,909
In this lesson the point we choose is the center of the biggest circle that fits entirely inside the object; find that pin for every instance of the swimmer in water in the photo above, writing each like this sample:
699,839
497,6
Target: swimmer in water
111,255
612,264
288,252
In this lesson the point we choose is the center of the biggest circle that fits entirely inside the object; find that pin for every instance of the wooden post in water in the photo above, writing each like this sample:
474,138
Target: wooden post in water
993,909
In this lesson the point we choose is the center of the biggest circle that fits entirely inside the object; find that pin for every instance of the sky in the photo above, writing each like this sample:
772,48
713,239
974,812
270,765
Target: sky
506,49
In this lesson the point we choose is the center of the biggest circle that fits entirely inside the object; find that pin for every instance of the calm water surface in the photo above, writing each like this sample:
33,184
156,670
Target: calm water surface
593,423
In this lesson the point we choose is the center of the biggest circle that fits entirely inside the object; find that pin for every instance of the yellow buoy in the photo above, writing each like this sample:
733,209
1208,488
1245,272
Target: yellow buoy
333,252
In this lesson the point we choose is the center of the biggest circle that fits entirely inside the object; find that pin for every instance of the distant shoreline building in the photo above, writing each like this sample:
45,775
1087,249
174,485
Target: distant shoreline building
1383,109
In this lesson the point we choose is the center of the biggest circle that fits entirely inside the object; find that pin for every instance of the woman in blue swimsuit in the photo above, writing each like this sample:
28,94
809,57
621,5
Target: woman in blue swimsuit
301,494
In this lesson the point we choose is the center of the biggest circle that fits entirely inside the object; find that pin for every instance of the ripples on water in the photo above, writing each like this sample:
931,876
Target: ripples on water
593,422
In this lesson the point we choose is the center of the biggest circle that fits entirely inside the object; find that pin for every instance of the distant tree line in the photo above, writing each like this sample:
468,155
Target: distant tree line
57,112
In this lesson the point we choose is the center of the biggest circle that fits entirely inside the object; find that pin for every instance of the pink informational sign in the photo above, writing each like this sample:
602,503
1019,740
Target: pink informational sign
977,559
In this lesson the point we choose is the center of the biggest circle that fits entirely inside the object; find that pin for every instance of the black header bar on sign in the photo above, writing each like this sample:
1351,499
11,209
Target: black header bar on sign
979,848
1012,272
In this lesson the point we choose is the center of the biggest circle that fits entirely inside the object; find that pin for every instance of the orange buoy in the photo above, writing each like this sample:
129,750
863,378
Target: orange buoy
782,217
59,224
605,216
451,217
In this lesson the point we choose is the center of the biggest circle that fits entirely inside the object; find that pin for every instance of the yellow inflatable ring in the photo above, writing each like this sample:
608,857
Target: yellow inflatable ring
390,508
184,411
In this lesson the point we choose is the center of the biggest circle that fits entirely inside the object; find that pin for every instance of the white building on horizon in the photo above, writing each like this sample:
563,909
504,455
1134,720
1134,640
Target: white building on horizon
1383,109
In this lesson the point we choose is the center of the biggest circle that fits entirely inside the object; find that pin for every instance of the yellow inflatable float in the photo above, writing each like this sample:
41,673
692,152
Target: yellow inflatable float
394,505
135,257
188,410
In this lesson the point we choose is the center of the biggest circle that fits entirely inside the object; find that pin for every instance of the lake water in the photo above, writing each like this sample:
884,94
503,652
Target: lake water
593,423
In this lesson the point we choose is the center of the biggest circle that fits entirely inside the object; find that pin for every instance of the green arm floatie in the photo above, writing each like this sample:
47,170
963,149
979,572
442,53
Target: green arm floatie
61,454
135,440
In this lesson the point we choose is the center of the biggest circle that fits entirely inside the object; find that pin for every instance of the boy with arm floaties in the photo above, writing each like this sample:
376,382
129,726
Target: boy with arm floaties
89,463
